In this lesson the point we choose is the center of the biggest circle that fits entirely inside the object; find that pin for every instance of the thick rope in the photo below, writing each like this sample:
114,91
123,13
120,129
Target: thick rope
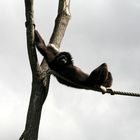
96,88
114,92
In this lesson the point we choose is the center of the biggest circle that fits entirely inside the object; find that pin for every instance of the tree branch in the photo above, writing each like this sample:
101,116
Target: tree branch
61,22
60,26
30,37
41,79
40,85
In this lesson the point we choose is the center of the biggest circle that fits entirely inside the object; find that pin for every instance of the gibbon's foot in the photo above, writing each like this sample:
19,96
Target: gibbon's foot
103,89
111,91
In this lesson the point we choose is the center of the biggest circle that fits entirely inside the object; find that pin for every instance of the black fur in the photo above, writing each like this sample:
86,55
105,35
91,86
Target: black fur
62,63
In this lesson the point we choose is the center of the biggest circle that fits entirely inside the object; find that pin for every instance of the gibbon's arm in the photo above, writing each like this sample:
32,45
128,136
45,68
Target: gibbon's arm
41,46
49,51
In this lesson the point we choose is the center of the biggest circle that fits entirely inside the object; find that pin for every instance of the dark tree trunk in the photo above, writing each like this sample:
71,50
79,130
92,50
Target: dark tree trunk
40,78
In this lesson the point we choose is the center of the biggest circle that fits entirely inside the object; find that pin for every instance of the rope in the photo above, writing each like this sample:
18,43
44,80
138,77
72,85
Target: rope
96,88
114,92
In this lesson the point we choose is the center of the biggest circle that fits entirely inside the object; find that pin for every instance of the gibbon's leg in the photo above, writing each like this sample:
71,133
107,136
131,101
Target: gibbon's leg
108,81
99,75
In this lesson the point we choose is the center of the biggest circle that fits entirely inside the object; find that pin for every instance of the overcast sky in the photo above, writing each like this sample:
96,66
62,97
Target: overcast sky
99,31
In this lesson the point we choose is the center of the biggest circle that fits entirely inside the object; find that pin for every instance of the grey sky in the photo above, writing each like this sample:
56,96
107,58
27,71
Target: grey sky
99,31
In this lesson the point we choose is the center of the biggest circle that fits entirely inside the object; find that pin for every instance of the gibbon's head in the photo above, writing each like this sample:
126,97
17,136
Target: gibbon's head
64,58
61,60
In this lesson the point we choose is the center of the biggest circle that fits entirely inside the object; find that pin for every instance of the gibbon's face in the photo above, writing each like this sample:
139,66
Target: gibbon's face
62,60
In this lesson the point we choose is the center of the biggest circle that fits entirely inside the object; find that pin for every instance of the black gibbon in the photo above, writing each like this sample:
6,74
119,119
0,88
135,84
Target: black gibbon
62,64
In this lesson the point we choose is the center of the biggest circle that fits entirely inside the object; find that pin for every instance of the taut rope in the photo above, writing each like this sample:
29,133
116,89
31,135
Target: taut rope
114,92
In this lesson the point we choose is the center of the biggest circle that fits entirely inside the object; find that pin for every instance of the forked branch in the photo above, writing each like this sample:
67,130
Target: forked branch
40,83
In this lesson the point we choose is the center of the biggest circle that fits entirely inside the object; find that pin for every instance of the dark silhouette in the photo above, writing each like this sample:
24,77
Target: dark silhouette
62,63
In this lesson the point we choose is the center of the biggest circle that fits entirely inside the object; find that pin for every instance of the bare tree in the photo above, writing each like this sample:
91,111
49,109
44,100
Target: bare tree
40,77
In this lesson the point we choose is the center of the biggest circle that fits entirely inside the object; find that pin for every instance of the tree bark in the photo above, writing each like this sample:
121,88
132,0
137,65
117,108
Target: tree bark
40,78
